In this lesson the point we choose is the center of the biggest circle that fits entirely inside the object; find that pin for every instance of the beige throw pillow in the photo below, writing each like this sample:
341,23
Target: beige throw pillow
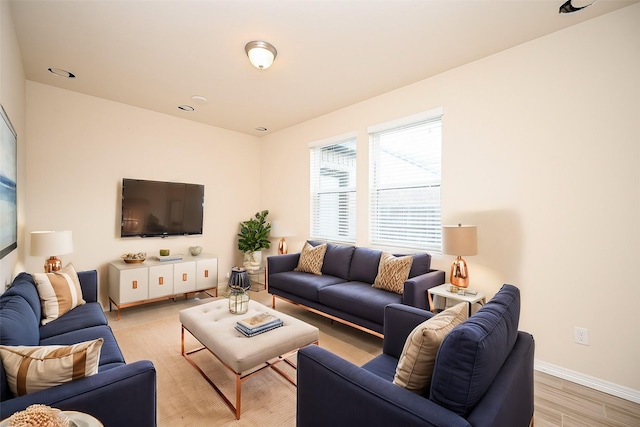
393,272
311,258
31,369
59,292
415,367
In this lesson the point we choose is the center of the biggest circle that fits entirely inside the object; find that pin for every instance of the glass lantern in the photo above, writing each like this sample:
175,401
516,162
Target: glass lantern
238,301
239,283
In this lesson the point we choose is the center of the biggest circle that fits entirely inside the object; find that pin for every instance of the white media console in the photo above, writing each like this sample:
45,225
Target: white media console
154,280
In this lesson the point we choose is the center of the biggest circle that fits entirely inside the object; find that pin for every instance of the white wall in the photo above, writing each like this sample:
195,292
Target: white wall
12,98
541,149
79,149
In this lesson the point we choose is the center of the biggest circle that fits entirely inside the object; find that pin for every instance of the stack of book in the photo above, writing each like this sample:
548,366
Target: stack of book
165,258
258,324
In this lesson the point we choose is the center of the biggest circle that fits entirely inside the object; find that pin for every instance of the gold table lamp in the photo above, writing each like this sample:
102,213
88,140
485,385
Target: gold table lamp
46,243
459,240
279,230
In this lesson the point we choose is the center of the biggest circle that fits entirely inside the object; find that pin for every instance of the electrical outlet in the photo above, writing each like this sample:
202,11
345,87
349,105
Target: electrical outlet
581,335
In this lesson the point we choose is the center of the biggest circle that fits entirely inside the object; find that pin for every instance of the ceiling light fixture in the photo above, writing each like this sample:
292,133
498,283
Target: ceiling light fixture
261,129
261,54
186,108
61,73
568,7
199,99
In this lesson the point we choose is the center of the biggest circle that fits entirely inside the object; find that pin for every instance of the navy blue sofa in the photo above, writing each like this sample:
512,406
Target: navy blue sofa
120,394
483,375
343,292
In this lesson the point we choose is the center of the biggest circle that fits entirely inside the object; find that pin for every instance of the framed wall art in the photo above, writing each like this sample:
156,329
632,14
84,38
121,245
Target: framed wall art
8,178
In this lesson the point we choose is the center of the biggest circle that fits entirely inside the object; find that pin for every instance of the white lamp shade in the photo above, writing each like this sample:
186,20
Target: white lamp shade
261,54
460,240
278,229
261,58
49,243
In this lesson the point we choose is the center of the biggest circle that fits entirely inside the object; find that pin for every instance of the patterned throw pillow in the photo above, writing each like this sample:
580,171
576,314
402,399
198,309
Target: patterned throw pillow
311,259
31,369
393,272
59,292
415,367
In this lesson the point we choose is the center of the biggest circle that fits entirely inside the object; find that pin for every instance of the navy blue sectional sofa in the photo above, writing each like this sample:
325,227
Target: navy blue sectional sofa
343,292
482,377
120,394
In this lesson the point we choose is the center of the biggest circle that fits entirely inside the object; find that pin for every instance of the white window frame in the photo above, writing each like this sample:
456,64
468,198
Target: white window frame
333,207
405,209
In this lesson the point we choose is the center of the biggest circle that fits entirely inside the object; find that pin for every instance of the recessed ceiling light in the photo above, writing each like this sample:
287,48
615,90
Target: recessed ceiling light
261,129
186,108
199,99
62,73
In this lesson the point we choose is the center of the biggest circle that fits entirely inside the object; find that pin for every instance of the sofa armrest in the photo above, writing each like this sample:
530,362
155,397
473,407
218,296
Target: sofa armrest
89,284
120,396
334,392
415,289
509,400
280,263
399,321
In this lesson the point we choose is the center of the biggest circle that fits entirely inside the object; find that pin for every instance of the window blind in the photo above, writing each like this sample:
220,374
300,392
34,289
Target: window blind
404,182
333,191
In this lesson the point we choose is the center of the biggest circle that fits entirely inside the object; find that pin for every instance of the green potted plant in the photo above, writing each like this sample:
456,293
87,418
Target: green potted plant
253,238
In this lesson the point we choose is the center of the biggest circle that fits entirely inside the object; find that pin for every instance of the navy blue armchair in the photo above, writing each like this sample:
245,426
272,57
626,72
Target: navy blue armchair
483,375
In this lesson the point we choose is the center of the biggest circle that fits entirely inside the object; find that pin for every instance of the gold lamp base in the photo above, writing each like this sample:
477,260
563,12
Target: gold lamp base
459,275
282,247
52,264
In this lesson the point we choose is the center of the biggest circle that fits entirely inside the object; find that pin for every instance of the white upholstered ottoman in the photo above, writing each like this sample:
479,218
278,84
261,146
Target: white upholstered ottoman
214,327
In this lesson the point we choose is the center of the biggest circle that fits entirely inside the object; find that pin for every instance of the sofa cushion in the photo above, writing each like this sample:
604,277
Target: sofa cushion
383,366
110,350
364,265
18,322
337,259
30,369
472,353
84,316
24,286
311,259
421,265
59,292
393,272
359,299
415,366
304,285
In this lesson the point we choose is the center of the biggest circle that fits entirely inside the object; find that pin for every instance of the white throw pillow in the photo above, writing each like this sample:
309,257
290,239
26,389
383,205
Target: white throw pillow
30,368
59,292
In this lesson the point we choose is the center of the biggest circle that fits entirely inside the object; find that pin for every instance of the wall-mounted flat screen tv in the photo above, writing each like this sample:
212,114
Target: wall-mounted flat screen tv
160,209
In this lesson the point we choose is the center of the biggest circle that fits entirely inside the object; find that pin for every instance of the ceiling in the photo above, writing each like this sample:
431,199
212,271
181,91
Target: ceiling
157,54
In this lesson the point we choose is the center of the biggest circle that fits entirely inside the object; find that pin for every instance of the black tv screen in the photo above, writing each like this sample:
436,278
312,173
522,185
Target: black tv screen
155,208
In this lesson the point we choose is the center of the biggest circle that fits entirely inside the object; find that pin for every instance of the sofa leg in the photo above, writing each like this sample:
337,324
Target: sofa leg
531,424
273,302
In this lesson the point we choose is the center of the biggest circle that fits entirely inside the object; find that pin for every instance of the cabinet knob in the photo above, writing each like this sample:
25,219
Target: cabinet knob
206,273
161,280
135,284
184,277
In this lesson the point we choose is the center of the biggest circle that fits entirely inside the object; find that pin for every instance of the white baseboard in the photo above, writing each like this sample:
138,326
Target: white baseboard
588,381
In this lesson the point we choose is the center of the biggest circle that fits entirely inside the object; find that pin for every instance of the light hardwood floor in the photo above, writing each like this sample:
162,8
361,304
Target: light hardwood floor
558,403
561,403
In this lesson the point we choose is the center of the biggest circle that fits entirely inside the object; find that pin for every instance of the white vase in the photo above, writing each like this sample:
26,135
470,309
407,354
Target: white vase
252,260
